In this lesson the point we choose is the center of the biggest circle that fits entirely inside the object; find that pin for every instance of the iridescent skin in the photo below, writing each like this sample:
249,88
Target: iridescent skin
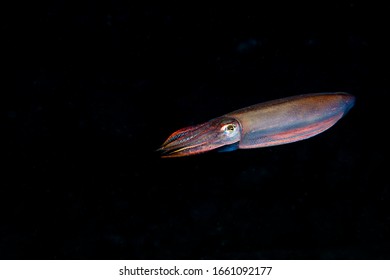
265,124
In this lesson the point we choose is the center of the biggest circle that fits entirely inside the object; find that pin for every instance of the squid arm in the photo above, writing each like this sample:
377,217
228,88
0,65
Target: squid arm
265,124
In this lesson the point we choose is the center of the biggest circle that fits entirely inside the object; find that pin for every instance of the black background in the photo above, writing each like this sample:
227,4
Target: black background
90,90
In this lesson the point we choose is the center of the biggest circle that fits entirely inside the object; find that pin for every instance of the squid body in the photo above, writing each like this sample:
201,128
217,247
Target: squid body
265,124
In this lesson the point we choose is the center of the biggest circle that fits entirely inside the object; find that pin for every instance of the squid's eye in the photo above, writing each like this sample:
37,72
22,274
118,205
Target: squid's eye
229,128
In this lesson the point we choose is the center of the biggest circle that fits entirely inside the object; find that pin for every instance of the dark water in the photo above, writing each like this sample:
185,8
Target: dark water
90,91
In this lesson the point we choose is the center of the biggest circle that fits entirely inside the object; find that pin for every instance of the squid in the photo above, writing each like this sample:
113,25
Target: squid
271,123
